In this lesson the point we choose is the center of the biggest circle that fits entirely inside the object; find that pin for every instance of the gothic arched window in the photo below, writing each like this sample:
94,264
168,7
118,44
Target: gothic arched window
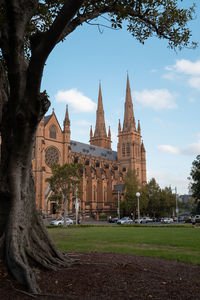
127,149
52,132
94,193
123,149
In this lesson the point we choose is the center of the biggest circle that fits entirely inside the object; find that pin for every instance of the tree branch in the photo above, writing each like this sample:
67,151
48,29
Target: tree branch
42,44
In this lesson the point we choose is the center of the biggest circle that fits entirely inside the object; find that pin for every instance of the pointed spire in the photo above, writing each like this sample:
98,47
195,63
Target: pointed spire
139,128
128,90
100,102
91,133
129,120
100,128
119,126
142,147
66,120
109,133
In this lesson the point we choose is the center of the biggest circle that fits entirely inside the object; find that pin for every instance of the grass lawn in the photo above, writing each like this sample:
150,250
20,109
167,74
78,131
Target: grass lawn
182,244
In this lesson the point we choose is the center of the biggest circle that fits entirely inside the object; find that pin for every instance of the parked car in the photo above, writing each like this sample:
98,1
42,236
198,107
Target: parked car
167,220
155,220
145,220
113,219
195,219
60,221
125,220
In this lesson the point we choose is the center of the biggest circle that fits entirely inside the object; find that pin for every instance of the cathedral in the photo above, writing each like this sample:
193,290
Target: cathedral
104,169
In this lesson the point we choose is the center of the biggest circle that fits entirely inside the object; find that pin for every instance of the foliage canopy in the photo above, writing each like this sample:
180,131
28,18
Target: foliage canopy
195,175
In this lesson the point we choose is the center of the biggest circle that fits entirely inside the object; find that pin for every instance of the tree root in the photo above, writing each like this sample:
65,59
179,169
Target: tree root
25,246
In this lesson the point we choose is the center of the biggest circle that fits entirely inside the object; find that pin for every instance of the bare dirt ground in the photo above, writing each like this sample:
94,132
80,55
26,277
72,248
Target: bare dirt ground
111,276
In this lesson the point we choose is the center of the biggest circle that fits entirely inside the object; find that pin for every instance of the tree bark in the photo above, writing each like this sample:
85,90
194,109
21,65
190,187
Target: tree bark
24,240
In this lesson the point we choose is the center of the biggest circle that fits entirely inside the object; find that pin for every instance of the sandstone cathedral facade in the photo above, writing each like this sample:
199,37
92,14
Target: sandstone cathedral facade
103,167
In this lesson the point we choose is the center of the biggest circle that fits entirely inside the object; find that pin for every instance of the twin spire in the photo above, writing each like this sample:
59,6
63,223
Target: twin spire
100,137
129,119
100,128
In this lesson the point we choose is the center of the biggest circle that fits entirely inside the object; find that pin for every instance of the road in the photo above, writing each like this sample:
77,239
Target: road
95,222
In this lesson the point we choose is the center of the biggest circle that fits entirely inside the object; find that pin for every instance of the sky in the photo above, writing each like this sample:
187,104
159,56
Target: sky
165,87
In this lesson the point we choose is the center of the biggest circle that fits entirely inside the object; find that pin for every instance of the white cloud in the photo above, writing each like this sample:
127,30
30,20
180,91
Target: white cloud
187,67
182,68
76,100
194,82
168,148
157,99
191,149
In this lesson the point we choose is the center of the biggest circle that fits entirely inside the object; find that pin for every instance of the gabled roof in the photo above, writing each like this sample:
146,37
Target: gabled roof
86,149
46,119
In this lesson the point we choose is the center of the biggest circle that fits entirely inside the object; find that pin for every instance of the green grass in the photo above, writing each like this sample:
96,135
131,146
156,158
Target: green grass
182,244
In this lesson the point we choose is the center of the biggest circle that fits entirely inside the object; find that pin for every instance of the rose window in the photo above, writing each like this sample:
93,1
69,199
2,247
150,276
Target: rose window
51,156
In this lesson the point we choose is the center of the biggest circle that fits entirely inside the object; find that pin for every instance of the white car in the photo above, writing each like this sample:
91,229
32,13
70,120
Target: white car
125,220
145,220
60,221
167,220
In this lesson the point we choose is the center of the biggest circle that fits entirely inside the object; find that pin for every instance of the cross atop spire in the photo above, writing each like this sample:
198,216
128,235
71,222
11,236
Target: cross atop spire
129,120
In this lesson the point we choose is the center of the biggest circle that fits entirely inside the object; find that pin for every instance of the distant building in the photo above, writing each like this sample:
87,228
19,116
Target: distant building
103,167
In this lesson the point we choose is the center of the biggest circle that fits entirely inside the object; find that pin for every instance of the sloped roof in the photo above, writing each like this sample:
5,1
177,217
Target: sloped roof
46,119
86,149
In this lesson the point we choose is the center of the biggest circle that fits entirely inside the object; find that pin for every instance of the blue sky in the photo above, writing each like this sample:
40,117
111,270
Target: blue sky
165,91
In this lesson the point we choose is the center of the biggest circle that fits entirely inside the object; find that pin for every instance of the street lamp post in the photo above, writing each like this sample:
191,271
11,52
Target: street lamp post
175,189
138,203
118,206
176,204
76,205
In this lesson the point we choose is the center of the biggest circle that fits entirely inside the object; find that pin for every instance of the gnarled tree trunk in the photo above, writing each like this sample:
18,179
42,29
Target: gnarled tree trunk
24,239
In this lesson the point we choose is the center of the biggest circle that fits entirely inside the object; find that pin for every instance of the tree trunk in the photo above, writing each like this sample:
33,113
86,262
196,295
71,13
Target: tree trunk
24,241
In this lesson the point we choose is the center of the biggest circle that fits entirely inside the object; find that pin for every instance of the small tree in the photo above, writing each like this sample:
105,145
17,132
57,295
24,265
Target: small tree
195,176
62,181
167,201
153,194
131,188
